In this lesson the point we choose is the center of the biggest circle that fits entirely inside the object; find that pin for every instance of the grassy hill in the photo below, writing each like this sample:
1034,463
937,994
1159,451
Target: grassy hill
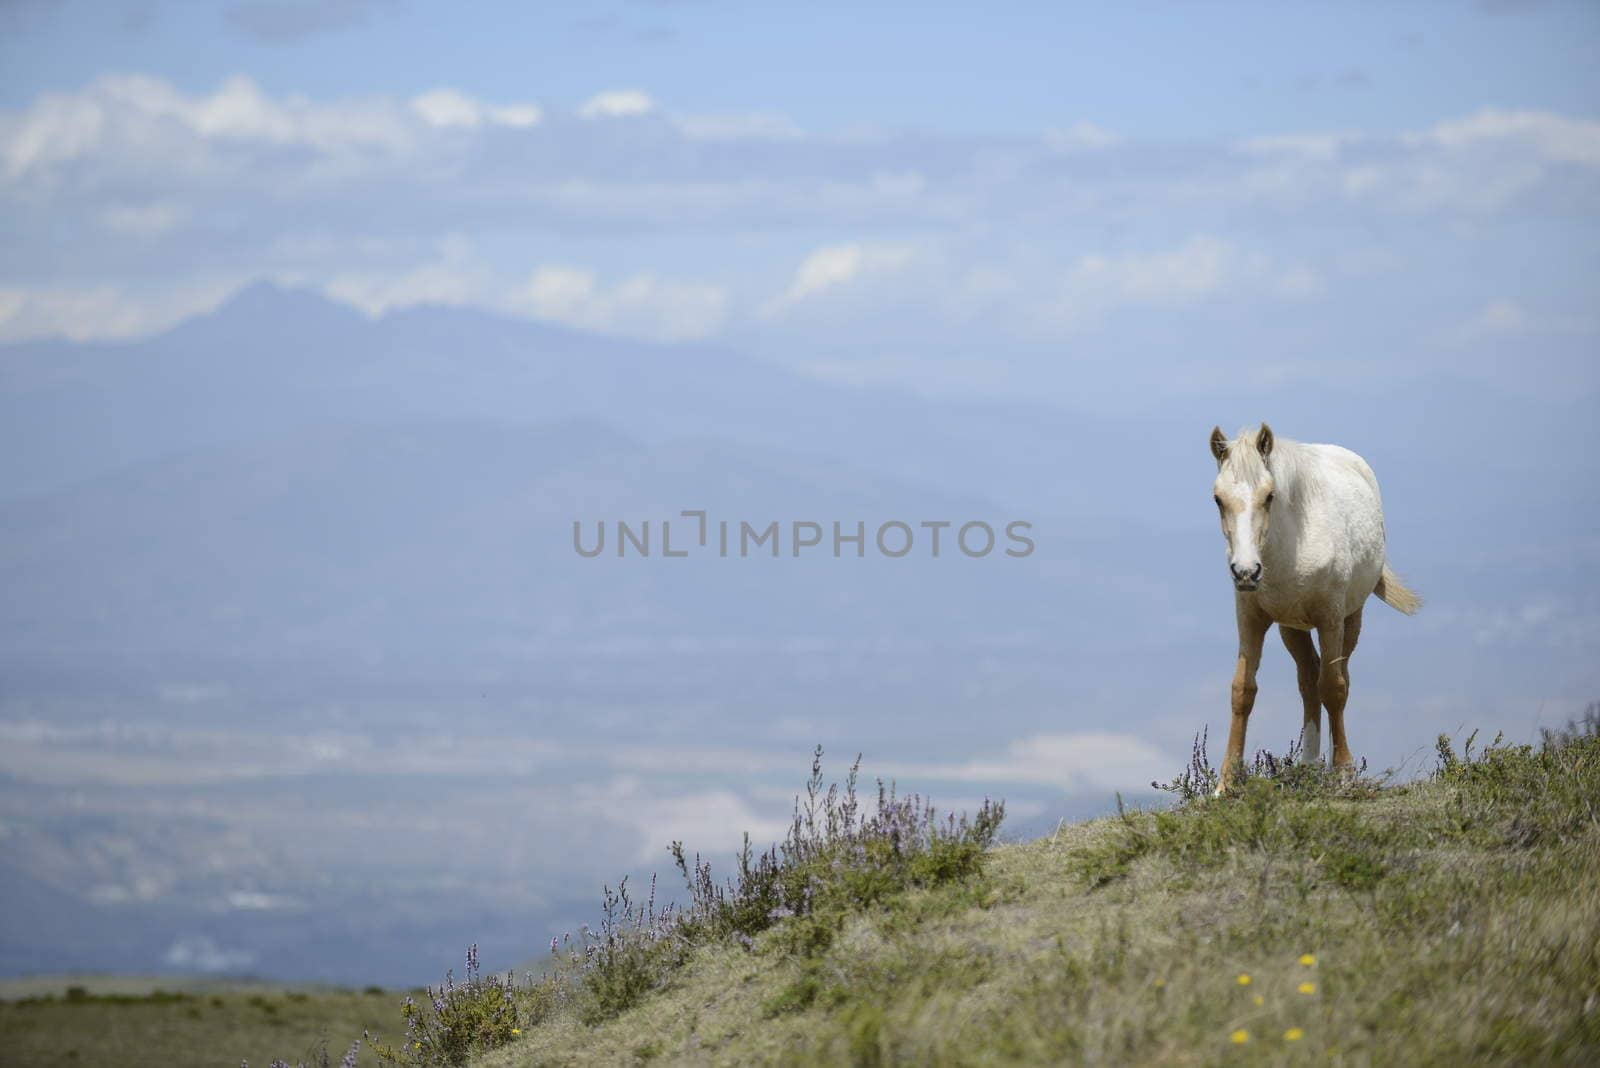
1309,918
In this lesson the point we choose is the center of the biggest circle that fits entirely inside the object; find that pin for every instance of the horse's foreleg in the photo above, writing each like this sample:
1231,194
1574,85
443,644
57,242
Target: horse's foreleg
1252,633
1333,684
1306,670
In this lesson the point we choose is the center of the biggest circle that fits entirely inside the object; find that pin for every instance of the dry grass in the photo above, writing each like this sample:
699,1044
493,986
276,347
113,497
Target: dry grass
217,1026
1448,921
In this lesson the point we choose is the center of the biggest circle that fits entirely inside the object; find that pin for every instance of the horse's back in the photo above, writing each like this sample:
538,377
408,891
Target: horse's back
1344,477
1347,516
1336,461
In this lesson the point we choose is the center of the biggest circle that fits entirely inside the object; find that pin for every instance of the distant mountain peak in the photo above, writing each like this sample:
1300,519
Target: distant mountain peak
268,298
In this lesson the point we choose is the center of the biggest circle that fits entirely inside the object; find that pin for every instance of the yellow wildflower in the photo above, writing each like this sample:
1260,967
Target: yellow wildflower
1244,980
516,1030
1259,1000
1308,959
1294,1034
1160,982
1308,988
1240,1037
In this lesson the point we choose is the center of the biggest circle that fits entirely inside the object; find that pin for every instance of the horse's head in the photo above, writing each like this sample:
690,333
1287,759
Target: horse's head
1243,492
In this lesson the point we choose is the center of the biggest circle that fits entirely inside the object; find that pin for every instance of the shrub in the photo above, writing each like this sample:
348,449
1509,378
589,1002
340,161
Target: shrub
836,858
1197,781
1524,795
320,1059
634,950
1205,830
456,1021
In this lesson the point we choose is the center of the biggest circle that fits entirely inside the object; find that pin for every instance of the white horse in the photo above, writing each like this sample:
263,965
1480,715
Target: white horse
1304,526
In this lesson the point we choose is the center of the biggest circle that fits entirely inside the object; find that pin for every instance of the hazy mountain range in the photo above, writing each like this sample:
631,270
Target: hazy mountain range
292,613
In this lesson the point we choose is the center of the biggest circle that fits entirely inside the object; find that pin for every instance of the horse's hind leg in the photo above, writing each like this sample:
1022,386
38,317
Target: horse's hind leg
1306,669
1352,633
1338,641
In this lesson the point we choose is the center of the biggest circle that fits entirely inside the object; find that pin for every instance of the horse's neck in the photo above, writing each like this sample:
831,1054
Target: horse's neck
1294,481
1292,472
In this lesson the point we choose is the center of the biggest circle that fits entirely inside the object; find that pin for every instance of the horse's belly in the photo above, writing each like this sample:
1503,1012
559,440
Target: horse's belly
1295,609
1308,605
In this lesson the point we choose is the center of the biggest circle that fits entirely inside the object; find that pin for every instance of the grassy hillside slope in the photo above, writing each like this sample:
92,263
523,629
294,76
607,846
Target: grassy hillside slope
1307,920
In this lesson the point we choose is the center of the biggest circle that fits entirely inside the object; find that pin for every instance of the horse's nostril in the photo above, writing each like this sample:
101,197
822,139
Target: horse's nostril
1256,573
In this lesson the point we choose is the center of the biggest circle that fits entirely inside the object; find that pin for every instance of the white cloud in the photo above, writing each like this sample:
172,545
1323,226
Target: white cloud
1203,267
1299,282
1087,760
446,107
1501,318
200,953
760,126
710,822
1359,180
454,278
834,266
377,292
519,116
1198,267
104,311
1478,164
617,103
641,306
1554,137
644,306
57,127
979,230
1313,146
148,124
1082,136
143,220
257,901
899,183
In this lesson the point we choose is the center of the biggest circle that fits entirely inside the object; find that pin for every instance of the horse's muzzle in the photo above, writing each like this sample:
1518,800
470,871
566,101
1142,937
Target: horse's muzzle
1246,580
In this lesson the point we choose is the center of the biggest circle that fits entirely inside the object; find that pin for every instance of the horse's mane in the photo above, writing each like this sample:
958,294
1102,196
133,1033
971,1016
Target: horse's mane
1245,462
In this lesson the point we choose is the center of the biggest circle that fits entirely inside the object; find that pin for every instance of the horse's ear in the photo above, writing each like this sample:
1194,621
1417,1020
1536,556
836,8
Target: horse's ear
1219,444
1264,441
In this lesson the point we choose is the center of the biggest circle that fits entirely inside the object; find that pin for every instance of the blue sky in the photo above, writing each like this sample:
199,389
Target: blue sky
1015,199
1149,69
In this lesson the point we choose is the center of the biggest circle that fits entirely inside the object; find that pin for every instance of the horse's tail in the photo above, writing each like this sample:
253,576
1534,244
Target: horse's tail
1394,593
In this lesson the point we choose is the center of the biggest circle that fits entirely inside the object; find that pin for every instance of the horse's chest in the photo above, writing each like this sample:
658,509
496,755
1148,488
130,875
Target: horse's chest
1296,608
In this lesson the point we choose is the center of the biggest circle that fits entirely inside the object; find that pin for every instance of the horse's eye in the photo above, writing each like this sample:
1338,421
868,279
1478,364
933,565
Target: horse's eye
1269,497
1217,499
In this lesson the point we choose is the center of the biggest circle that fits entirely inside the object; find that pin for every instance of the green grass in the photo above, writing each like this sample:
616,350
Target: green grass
166,1029
1452,920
